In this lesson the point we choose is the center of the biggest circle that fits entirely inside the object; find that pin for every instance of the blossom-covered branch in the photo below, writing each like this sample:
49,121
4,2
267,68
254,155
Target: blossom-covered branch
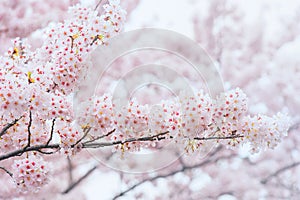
39,84
157,137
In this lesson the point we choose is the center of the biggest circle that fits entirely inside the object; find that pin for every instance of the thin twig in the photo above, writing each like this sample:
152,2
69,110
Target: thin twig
141,139
46,152
98,4
8,172
3,131
184,168
219,138
70,170
51,132
100,137
294,126
219,195
97,37
72,42
28,129
79,180
279,171
85,134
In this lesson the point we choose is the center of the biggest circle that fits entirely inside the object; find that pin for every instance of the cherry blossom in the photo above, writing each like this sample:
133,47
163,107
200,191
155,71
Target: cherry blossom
38,117
30,173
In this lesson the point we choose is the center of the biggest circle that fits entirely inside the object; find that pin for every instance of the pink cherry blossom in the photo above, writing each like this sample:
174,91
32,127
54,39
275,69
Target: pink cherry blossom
30,173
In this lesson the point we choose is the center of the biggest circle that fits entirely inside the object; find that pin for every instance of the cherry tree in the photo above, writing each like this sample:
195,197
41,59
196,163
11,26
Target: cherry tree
45,135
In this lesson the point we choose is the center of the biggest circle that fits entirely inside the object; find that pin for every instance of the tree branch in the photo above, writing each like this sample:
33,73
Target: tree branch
183,169
141,139
100,137
219,138
8,172
51,132
98,4
19,152
294,126
85,134
279,171
70,170
158,137
79,180
9,125
28,129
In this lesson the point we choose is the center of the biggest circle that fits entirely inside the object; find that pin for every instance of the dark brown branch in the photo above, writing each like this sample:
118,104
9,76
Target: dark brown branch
141,139
97,37
219,138
47,152
72,42
158,137
51,132
94,40
39,148
8,172
79,180
85,134
9,125
28,129
19,152
183,169
279,171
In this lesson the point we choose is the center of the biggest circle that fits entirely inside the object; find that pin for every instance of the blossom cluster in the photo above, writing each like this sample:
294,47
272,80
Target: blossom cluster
30,174
264,132
21,18
67,46
40,82
70,134
36,86
184,120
